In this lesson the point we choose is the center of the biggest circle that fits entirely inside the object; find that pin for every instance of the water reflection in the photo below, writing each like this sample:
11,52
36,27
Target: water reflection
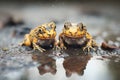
74,51
46,64
114,67
76,64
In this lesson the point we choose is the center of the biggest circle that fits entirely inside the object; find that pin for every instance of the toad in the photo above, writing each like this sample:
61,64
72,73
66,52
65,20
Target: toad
76,35
41,37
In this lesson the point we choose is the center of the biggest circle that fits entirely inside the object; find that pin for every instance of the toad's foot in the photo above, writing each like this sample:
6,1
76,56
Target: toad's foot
21,44
63,47
38,48
88,48
56,48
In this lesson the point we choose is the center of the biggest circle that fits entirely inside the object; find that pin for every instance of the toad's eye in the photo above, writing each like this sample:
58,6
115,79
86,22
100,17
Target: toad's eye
79,25
40,31
67,25
83,28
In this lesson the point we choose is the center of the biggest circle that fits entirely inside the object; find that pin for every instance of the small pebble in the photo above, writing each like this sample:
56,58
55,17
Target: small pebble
118,38
5,49
108,47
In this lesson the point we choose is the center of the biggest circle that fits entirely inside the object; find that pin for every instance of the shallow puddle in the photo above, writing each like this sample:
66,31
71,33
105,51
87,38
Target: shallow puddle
68,67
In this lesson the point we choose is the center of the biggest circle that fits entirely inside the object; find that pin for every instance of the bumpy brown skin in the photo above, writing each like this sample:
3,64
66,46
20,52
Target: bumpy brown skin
76,35
40,36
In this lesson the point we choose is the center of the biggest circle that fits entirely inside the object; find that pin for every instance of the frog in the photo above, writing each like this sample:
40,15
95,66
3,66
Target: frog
76,35
41,37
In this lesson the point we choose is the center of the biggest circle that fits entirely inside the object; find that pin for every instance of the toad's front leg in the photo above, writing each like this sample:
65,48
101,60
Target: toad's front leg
56,45
90,43
26,41
61,42
88,46
35,46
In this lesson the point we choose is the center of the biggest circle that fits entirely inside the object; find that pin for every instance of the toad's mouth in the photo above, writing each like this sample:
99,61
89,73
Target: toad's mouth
75,36
81,38
47,37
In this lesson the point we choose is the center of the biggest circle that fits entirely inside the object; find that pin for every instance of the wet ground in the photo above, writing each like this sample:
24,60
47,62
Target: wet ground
19,63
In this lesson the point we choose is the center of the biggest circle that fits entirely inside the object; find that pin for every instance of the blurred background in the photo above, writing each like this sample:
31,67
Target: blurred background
102,15
40,11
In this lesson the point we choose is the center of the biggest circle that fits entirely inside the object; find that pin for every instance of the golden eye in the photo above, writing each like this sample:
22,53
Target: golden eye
67,25
84,28
79,25
40,31
52,24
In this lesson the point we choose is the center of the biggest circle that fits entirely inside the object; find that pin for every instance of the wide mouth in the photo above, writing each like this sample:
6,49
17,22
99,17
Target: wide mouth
49,38
75,37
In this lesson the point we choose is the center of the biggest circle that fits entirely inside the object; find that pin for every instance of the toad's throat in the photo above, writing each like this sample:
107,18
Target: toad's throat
75,41
46,42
